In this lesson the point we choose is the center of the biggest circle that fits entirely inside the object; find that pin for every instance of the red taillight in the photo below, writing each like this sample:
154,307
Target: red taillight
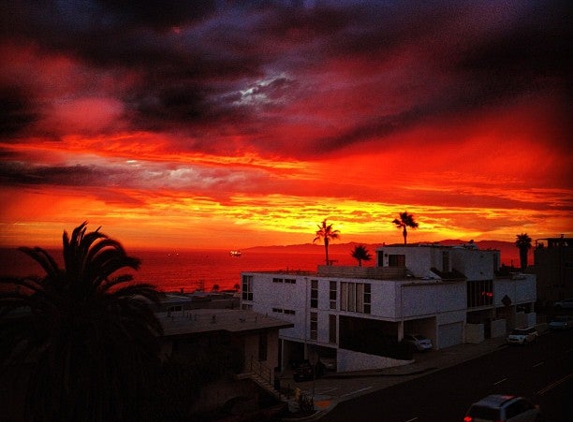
468,419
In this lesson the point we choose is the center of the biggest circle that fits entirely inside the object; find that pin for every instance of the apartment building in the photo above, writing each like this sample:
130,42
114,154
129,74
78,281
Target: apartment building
452,295
553,265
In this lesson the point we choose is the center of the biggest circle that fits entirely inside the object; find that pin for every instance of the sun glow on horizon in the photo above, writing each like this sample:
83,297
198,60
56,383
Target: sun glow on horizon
247,126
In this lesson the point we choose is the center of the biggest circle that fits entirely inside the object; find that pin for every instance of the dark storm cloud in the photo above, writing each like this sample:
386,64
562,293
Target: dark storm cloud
16,112
18,173
192,60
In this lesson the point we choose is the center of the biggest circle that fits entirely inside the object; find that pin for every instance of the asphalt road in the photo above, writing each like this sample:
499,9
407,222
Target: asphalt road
542,371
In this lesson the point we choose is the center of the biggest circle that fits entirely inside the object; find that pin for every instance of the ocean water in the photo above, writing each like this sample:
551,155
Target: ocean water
190,269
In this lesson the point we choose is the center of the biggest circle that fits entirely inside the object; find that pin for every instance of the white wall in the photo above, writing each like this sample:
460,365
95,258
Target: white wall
475,264
474,333
498,328
430,298
518,290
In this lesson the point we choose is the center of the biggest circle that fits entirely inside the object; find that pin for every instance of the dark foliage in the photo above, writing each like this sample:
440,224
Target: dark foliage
91,338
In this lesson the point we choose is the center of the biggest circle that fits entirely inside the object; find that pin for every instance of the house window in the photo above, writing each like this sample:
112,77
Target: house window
277,280
313,325
314,293
290,280
247,287
355,297
289,312
263,347
277,310
367,299
332,329
479,293
446,262
333,295
396,260
380,258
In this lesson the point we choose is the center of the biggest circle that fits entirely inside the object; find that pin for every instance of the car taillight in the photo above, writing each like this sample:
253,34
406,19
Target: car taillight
468,419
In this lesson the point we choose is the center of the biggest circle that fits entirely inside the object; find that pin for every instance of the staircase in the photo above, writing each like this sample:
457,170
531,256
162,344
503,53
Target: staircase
262,375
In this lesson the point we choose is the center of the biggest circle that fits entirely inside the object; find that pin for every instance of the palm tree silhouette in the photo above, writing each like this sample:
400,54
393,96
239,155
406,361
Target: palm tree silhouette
360,253
523,243
326,233
91,337
406,220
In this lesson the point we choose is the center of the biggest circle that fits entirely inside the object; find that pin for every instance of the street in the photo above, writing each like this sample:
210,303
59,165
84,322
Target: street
542,371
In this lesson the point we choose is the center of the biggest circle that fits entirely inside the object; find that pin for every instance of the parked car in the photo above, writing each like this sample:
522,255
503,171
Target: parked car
564,304
522,336
418,342
306,372
563,322
329,363
506,408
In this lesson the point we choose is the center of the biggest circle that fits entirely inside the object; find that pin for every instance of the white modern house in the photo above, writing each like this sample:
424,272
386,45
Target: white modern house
451,295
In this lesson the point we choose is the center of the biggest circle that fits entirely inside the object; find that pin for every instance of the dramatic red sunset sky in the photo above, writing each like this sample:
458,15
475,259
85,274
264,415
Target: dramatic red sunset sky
227,126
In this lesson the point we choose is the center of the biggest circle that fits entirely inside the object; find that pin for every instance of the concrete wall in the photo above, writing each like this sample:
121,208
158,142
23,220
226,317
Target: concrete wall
430,298
475,264
498,328
520,290
347,361
474,333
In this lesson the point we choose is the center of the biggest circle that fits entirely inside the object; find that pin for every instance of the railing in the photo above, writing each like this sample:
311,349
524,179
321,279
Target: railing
265,373
380,273
261,370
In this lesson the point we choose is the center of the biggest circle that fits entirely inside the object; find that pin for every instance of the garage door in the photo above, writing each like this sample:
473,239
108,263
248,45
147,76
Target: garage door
450,334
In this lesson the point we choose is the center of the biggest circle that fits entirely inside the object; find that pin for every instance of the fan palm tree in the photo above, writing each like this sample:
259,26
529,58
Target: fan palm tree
406,220
523,243
91,337
326,233
360,253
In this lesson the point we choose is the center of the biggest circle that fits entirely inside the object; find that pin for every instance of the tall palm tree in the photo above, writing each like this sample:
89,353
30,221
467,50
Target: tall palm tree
326,233
523,243
406,220
90,336
360,253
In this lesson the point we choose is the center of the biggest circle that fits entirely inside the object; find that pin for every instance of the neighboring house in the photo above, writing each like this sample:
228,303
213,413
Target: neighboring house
553,265
179,301
247,334
451,295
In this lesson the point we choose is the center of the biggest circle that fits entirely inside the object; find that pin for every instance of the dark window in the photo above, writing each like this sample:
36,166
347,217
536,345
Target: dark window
313,325
247,293
333,294
445,261
479,293
314,293
367,299
332,329
397,260
355,297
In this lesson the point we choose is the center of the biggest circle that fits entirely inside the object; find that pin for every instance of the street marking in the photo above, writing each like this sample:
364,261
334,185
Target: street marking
553,385
538,364
500,381
356,391
330,389
412,420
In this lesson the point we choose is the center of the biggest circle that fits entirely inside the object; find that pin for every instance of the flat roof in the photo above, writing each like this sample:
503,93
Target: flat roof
211,320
